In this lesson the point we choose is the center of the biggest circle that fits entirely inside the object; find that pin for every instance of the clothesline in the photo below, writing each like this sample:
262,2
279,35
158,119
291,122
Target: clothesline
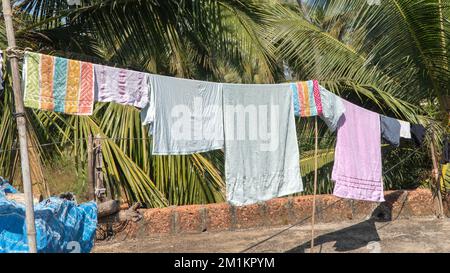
21,52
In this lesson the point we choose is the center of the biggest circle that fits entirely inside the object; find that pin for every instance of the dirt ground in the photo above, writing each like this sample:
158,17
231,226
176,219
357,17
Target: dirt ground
405,235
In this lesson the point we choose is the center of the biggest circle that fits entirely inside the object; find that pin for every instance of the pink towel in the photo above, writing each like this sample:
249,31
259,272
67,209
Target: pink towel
357,164
121,86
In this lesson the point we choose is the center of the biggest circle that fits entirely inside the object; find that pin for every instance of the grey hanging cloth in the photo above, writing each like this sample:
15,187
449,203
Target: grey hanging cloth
390,130
418,134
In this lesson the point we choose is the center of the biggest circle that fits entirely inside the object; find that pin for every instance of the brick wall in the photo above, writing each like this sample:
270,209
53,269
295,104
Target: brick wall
277,212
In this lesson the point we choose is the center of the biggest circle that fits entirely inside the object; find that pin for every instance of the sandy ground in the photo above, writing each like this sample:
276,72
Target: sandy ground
406,235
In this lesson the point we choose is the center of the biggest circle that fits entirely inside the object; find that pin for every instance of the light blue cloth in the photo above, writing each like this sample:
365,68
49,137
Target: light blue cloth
332,108
185,116
311,98
261,149
295,97
60,83
62,226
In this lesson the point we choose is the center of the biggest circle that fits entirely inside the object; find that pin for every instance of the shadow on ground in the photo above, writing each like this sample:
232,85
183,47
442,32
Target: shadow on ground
360,235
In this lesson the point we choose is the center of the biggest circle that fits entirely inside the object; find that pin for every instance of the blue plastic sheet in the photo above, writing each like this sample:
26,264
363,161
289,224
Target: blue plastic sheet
5,187
62,226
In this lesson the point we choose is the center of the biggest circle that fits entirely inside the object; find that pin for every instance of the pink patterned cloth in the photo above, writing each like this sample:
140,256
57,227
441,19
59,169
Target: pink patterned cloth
357,169
121,86
317,99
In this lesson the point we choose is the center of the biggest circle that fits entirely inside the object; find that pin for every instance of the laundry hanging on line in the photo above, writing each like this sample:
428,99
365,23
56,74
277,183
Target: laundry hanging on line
58,84
405,129
306,97
186,116
357,169
122,86
261,155
418,134
332,108
390,130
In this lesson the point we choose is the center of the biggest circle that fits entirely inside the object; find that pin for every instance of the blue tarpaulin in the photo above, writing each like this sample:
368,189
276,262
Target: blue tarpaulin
62,226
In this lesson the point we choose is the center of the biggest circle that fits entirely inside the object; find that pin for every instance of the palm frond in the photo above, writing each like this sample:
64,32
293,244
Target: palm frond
307,161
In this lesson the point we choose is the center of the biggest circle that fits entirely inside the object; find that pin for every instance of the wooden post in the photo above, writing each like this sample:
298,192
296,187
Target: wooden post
22,130
91,168
100,190
313,217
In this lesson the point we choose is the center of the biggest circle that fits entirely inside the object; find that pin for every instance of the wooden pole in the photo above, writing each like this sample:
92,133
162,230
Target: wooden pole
22,130
313,217
90,169
100,190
